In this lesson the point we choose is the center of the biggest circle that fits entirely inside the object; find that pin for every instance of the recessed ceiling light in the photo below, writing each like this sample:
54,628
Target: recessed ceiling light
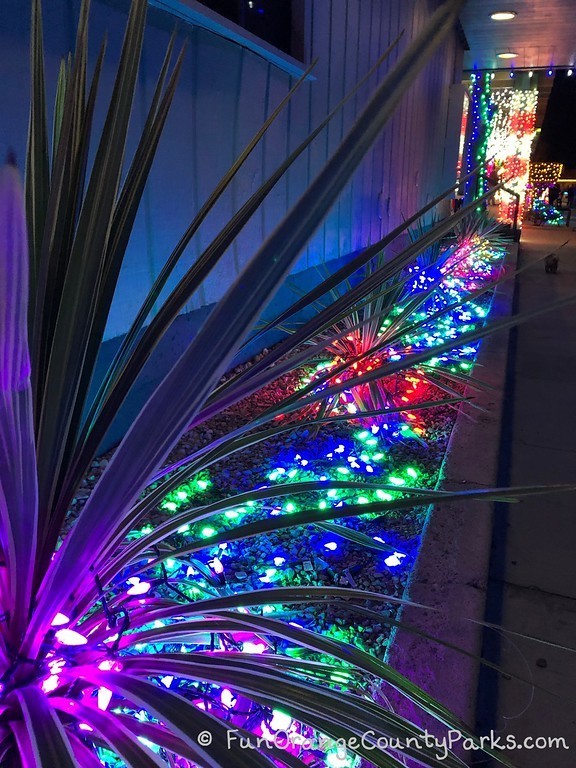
503,15
507,55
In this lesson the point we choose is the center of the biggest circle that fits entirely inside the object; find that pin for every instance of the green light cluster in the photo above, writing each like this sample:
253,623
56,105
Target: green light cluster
365,456
187,493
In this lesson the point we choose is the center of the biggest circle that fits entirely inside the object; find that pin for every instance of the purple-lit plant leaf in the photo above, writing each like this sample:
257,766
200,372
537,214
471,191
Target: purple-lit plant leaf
113,732
214,616
177,713
14,354
164,738
326,710
85,755
46,745
18,489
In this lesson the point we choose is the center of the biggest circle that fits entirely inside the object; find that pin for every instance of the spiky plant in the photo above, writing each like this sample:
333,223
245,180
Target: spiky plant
437,293
102,656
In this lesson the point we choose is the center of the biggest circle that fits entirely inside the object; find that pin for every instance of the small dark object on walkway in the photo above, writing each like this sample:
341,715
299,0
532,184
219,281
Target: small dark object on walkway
551,263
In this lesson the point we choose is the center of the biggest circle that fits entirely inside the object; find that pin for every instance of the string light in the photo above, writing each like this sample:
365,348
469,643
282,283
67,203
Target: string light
548,213
137,587
502,15
104,698
545,173
60,619
481,110
511,133
70,637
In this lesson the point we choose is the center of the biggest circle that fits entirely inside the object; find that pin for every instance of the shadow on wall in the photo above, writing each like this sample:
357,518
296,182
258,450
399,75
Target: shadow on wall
182,331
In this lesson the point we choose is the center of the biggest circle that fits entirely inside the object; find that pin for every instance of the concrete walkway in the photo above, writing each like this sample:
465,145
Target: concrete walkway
533,568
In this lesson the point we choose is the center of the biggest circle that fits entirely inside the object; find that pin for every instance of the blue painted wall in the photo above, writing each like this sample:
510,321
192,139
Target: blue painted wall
224,94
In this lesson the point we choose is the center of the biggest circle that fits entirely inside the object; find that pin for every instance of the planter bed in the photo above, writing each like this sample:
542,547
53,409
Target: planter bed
312,554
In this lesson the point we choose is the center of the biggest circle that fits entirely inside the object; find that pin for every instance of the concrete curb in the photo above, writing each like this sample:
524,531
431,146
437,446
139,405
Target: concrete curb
451,573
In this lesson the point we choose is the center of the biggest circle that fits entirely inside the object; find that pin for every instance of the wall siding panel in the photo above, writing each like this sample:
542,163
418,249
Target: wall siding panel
349,53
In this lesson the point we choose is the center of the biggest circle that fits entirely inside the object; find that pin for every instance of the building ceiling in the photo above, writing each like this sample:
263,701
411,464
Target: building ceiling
543,34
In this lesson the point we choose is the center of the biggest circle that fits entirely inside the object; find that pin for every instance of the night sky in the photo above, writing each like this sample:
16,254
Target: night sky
269,19
557,142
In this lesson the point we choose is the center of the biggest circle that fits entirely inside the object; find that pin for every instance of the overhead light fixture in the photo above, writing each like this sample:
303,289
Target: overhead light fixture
570,72
507,55
502,15
530,74
550,72
511,74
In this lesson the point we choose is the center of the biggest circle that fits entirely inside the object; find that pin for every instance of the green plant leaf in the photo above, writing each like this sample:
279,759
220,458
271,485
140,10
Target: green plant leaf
357,537
59,102
197,514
